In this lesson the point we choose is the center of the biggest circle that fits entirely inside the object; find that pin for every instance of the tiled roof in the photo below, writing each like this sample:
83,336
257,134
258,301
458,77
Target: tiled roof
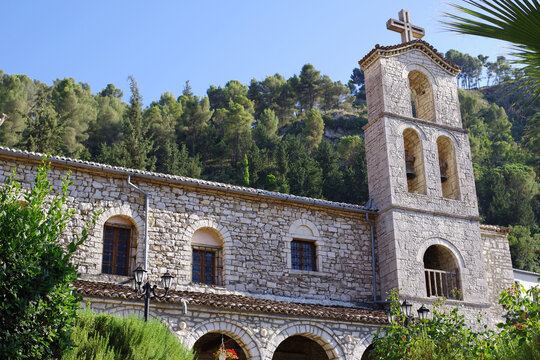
495,228
421,45
182,180
237,302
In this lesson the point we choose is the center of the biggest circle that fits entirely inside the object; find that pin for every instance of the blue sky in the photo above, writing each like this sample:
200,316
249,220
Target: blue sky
165,43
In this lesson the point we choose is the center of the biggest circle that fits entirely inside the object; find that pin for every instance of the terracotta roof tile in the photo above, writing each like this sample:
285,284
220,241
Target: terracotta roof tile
495,228
237,302
421,45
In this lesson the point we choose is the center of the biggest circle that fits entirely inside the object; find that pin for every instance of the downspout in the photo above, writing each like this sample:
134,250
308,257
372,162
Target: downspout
145,220
372,230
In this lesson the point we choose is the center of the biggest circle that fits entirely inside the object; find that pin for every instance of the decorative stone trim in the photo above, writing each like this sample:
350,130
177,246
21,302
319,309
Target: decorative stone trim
295,233
316,333
414,120
97,234
235,332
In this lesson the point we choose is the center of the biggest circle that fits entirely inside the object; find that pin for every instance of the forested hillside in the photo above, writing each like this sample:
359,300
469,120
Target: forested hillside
301,135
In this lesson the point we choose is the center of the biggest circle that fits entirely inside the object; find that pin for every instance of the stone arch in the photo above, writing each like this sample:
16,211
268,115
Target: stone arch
423,69
422,99
302,229
299,227
321,336
127,216
413,154
442,242
362,346
222,231
448,168
235,332
442,269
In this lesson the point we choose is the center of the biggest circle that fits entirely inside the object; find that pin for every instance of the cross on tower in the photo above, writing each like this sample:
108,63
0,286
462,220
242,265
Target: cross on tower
404,26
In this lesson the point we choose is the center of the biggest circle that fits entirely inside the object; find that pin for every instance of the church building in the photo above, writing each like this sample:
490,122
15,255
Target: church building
278,276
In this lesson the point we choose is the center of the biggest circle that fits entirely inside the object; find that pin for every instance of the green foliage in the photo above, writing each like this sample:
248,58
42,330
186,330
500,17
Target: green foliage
444,336
524,248
514,21
447,336
37,303
313,128
520,335
245,171
506,195
108,337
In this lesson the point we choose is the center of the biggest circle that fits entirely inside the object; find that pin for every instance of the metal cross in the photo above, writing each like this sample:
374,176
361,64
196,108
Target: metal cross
404,26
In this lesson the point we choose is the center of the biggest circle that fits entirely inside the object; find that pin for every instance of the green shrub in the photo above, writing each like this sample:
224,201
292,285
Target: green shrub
446,335
520,333
105,337
37,302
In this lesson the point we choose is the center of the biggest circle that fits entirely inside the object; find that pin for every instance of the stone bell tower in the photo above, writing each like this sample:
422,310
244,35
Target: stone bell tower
420,173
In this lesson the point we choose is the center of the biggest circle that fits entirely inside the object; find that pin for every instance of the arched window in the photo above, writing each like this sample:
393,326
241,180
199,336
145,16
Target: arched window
422,103
414,162
441,270
119,246
207,247
303,246
448,168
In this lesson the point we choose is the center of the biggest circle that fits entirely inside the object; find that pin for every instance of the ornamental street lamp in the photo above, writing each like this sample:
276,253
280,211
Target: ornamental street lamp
148,291
406,309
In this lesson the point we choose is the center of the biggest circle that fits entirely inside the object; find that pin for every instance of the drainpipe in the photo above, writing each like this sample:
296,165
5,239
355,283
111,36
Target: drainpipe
372,229
145,220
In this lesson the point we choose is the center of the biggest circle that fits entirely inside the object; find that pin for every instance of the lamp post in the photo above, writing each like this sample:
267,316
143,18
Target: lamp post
148,291
406,309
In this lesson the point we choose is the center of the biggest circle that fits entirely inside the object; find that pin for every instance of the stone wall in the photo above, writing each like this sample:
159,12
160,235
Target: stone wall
256,235
498,265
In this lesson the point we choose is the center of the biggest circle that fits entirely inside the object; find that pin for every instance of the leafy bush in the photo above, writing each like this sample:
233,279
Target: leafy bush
520,335
446,335
101,336
37,304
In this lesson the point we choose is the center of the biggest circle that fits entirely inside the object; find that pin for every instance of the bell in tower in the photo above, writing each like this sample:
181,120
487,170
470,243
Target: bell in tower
444,169
409,165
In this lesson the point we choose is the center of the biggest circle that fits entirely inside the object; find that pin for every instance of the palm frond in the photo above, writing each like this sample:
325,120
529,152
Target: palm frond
517,22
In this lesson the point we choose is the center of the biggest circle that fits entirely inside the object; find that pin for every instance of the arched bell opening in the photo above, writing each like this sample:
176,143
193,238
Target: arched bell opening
422,103
300,347
414,162
448,168
210,343
441,270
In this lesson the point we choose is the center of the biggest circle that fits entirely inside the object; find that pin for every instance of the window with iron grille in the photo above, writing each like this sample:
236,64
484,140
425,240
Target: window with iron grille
116,243
206,265
303,255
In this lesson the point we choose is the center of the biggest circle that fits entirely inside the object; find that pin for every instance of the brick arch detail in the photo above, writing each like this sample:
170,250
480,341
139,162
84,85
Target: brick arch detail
313,332
235,332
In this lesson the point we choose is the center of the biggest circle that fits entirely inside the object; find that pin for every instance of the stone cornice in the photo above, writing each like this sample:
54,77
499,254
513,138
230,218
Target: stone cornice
414,120
435,213
388,51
